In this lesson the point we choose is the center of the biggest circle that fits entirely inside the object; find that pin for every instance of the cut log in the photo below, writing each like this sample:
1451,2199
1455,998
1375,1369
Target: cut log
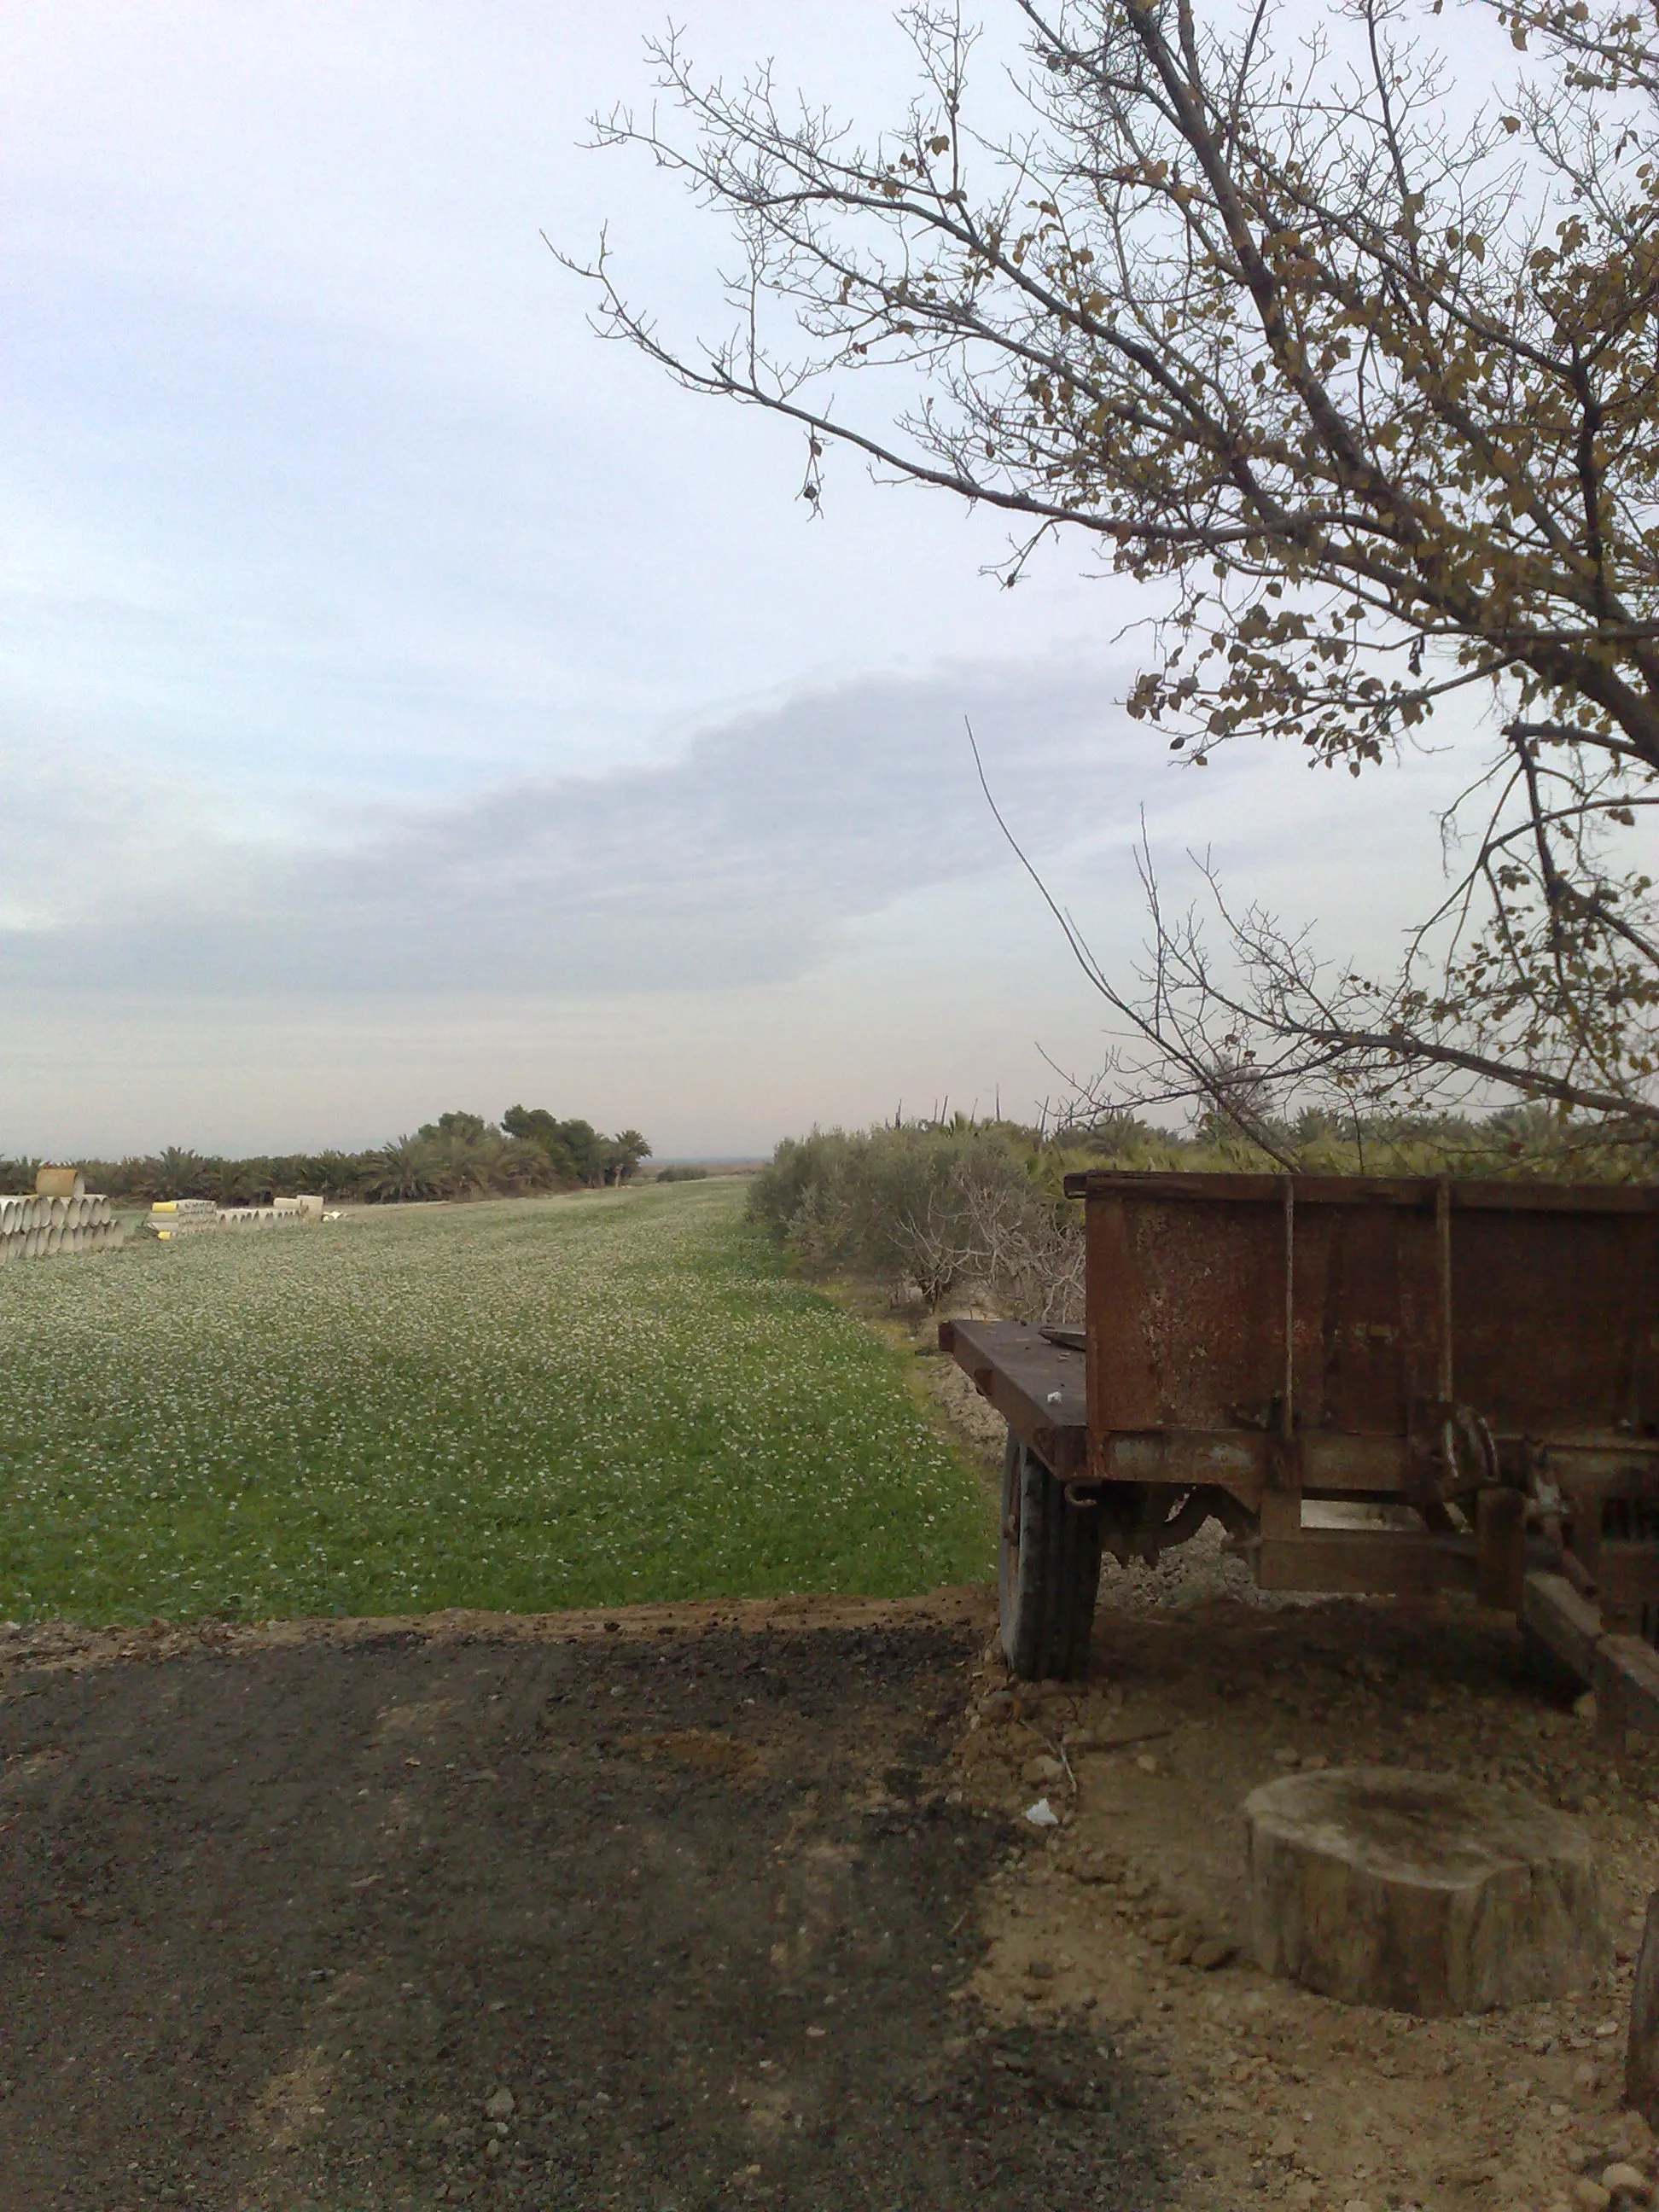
1419,1891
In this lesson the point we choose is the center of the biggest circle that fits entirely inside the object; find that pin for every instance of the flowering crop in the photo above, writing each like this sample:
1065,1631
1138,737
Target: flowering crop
524,1404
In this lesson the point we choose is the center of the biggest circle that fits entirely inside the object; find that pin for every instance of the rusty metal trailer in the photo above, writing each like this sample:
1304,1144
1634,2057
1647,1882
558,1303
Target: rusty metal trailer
1479,1360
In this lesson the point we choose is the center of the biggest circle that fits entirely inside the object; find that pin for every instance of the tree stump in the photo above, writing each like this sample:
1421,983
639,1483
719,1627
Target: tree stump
1419,1891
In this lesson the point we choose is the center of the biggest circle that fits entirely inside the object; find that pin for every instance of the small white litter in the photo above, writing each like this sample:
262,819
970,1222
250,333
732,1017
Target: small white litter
1043,1814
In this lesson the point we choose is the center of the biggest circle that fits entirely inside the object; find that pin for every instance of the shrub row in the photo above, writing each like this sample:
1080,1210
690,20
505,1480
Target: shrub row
929,1209
939,1208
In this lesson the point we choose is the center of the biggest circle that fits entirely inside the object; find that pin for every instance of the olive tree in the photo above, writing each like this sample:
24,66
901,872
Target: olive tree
1358,374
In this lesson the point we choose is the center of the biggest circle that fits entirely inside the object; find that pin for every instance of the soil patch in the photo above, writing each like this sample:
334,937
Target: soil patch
1132,1912
625,1911
738,1906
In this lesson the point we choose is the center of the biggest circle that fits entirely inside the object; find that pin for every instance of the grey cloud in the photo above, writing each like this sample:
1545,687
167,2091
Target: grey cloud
734,863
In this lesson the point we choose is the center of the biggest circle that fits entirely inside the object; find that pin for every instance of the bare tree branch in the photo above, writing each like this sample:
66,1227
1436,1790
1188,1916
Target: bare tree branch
1368,394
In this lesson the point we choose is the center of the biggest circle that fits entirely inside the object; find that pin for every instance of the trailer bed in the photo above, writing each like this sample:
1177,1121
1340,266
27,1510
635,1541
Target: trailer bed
1039,1387
1474,1366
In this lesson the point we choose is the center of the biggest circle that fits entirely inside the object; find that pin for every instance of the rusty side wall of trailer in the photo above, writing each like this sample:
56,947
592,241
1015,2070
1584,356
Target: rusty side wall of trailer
1538,1306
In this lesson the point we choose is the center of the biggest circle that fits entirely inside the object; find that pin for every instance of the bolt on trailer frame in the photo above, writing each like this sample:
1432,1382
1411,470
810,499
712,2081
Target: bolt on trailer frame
1480,1357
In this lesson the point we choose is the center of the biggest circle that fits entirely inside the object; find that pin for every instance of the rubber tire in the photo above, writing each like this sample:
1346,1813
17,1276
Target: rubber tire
1047,1571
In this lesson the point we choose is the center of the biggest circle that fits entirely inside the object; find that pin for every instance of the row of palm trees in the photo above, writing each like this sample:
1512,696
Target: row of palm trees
459,1156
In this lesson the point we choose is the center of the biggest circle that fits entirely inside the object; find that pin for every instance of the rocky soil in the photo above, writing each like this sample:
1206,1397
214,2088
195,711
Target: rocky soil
1127,1923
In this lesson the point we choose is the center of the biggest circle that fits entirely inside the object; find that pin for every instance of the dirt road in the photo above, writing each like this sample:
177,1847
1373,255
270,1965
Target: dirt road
475,1912
738,1906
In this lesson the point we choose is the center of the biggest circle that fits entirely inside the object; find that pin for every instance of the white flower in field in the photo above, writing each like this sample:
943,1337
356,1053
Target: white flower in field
528,1404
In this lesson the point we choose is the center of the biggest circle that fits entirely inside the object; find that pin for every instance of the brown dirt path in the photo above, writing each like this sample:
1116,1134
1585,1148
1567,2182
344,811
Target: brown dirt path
739,1904
352,1917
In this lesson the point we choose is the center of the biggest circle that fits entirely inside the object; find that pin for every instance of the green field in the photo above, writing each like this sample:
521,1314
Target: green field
524,1404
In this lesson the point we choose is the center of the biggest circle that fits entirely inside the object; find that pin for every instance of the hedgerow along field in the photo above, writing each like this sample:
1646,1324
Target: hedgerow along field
520,1404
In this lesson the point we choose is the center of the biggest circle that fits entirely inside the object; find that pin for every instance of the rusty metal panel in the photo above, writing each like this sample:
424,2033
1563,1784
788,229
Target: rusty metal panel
1121,1383
1366,1306
1368,1319
1557,1319
1179,1328
1383,1563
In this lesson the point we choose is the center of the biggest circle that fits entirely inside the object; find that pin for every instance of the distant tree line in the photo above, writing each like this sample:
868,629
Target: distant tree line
457,1156
575,1148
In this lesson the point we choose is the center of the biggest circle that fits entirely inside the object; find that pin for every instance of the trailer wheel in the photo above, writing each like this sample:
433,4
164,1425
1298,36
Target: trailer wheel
1049,1571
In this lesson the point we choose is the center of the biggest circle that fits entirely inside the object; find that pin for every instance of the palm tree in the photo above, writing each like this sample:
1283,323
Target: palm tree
623,1154
401,1170
178,1174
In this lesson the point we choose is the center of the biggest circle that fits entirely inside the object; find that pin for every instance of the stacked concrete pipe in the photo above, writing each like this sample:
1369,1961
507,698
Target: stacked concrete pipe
41,1226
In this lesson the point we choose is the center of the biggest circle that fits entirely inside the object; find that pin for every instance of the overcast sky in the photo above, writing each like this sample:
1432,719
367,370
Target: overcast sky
410,701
